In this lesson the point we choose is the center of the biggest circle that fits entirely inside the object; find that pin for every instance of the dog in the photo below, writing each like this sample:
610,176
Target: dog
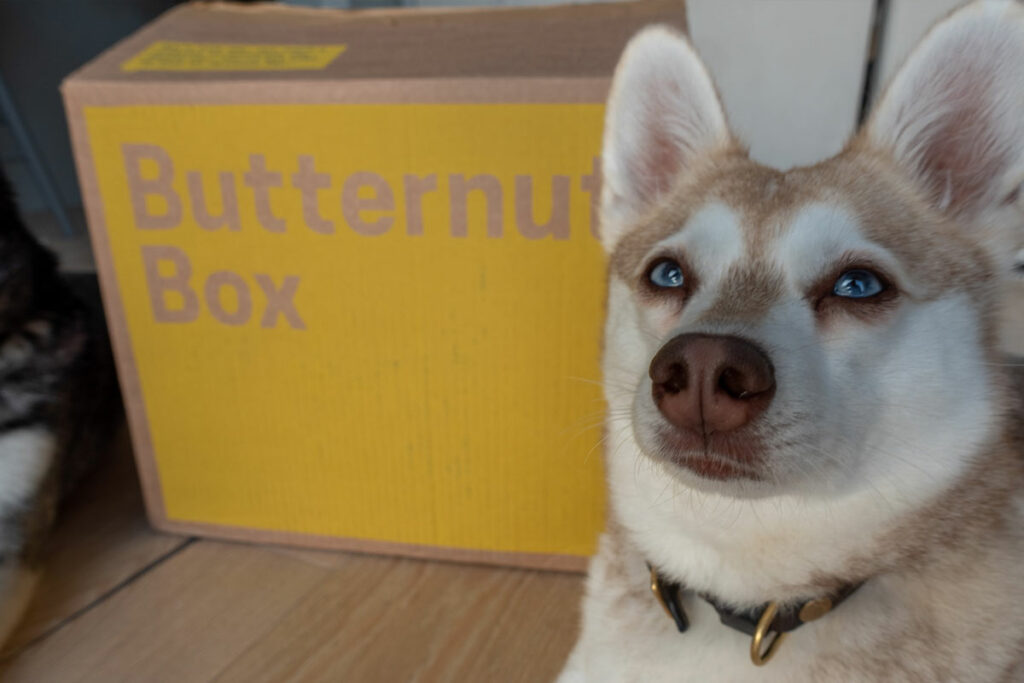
59,404
813,444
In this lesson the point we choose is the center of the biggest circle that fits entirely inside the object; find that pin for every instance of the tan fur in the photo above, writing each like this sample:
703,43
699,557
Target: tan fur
892,454
893,213
955,566
747,293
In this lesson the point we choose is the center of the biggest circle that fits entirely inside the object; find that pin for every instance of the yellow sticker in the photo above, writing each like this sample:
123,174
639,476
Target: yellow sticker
172,55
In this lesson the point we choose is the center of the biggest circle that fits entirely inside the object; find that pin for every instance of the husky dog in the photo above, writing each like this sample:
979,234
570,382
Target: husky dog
814,446
55,389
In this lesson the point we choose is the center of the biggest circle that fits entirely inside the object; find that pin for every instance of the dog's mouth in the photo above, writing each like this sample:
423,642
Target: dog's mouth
718,457
714,467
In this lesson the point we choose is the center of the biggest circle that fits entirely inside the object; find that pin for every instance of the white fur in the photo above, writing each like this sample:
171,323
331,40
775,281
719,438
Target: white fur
712,238
817,234
26,456
869,427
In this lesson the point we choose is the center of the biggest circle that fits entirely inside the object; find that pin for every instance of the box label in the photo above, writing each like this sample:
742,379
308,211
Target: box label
371,321
172,55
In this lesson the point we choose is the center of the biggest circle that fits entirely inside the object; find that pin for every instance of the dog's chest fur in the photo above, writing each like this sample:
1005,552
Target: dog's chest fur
944,623
939,606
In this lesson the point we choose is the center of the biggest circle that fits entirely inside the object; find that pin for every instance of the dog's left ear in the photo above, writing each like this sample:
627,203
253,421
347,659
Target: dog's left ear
663,114
954,114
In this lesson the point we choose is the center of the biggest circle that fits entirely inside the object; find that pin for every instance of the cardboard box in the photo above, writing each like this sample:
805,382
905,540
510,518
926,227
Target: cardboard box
349,265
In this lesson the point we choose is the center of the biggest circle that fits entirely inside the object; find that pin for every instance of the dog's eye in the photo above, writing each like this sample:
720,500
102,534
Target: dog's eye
666,273
858,284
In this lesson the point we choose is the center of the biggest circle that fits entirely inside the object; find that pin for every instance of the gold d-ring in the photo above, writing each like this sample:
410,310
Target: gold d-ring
656,589
763,625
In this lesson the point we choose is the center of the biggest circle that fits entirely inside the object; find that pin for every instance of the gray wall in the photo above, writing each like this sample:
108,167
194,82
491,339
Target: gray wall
41,42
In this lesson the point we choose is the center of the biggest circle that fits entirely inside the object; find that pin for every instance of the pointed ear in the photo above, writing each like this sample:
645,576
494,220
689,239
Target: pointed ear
954,114
663,113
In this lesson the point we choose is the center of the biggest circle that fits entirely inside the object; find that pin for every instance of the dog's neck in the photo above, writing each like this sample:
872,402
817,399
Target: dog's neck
783,548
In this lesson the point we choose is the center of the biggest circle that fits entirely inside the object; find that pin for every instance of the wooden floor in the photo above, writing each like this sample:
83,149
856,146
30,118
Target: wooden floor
120,602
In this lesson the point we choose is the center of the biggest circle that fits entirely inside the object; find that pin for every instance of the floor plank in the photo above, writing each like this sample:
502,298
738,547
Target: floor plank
386,619
102,539
225,612
182,621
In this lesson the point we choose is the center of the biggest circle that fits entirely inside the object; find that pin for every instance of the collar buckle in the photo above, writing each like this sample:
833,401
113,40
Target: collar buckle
764,626
767,630
668,596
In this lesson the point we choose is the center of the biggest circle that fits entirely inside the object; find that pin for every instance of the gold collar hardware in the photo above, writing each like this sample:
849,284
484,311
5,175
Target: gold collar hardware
763,628
767,626
656,589
668,597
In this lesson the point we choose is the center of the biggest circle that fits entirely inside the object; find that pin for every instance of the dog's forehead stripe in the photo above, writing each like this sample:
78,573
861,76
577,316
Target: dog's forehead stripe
817,234
730,192
712,239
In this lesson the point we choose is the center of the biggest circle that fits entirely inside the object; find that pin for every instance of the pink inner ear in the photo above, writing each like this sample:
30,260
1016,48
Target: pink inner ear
960,154
662,151
662,160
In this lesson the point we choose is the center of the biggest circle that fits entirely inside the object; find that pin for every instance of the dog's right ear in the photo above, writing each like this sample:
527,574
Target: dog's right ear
954,118
663,112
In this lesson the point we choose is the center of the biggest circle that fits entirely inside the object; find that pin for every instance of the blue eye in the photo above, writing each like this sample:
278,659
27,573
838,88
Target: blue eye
667,274
857,284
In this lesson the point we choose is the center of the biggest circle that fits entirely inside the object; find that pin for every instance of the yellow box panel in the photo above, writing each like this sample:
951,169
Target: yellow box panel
387,329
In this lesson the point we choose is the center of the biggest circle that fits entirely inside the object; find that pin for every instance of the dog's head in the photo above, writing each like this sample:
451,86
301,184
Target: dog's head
825,328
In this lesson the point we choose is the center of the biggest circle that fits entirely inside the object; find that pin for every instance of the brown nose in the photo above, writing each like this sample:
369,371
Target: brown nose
708,383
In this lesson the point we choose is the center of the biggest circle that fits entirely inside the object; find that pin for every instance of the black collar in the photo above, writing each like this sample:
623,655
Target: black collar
758,622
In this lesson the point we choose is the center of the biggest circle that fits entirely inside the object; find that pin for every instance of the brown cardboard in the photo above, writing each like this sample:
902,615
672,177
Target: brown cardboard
575,41
539,55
